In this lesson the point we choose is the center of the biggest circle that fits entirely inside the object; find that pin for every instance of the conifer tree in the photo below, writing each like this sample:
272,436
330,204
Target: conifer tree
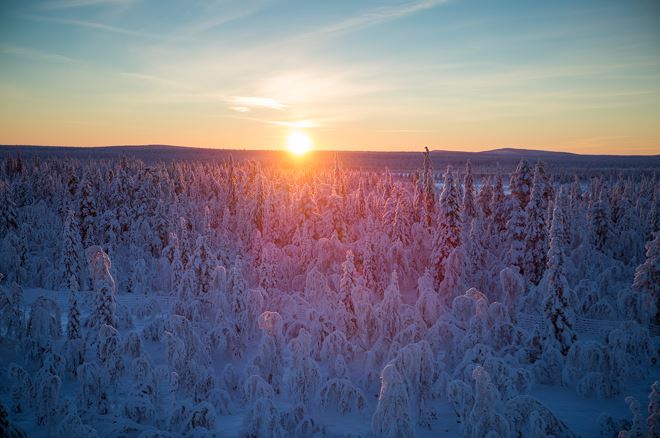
647,275
390,317
469,209
558,313
347,283
535,231
15,318
499,209
428,186
202,264
600,223
71,250
73,323
515,228
521,183
105,302
87,212
485,199
104,286
7,210
447,234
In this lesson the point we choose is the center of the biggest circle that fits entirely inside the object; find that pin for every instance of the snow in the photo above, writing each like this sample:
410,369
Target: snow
231,299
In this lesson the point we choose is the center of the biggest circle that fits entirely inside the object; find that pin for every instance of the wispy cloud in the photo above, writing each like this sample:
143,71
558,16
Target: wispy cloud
405,131
154,79
300,124
219,13
70,4
36,55
240,109
97,26
259,102
380,15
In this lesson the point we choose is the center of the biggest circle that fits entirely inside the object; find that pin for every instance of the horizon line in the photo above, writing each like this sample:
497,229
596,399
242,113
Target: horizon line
147,145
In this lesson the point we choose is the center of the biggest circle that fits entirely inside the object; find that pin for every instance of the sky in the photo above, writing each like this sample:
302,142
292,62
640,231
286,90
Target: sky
580,76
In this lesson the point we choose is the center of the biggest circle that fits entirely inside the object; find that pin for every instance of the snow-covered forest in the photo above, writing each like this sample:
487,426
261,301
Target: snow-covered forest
222,298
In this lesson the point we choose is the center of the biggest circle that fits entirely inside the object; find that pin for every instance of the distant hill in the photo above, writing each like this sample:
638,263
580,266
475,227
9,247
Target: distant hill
508,152
484,162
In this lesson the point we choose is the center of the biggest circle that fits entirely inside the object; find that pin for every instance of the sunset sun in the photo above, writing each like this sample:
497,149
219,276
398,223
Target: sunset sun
299,143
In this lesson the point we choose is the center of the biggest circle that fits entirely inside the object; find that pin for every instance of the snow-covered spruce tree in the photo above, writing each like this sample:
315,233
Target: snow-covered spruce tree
500,211
416,365
389,309
428,187
71,251
428,303
87,211
600,227
647,275
14,254
548,188
536,247
559,316
566,217
109,354
485,417
515,231
392,417
304,379
513,289
47,387
8,219
469,209
484,201
203,264
13,317
347,284
105,303
104,285
73,322
447,233
137,276
521,183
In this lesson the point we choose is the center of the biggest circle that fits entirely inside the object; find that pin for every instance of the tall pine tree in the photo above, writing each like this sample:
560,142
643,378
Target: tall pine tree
521,183
71,250
447,233
73,323
557,310
536,247
647,275
469,209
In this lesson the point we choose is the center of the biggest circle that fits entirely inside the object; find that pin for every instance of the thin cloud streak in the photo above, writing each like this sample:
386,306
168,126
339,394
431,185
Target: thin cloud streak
97,26
300,124
260,102
226,15
379,15
153,79
71,4
36,55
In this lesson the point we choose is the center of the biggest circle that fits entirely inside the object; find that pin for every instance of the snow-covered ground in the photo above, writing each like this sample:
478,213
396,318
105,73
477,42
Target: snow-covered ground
229,299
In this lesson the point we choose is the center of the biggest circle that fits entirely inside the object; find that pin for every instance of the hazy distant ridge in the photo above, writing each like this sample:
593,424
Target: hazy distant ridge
403,161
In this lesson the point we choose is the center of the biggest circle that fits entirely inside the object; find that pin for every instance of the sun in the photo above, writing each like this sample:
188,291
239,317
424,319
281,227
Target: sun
299,143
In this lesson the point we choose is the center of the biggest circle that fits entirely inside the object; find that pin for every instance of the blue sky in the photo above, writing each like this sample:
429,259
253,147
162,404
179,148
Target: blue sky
582,76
